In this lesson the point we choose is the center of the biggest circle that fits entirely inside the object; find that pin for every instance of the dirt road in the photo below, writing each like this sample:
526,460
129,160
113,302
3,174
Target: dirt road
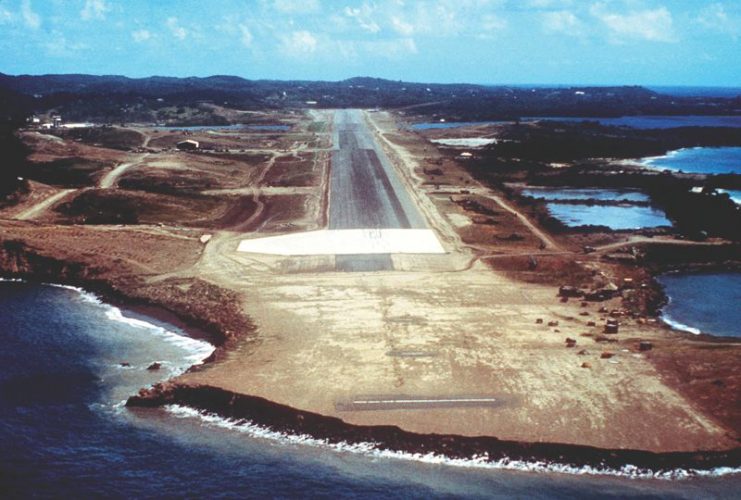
327,340
43,205
110,179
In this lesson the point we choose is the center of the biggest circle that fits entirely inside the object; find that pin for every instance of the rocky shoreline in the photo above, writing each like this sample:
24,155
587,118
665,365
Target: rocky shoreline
17,260
20,261
284,419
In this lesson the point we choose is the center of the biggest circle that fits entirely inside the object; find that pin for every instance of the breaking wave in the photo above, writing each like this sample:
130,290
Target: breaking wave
198,350
678,325
373,450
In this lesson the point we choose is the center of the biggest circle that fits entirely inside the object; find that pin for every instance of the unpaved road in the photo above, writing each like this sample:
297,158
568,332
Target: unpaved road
548,242
330,342
43,205
657,240
110,179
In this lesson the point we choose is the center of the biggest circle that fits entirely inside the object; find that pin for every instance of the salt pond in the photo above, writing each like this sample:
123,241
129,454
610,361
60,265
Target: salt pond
614,217
640,122
568,205
546,193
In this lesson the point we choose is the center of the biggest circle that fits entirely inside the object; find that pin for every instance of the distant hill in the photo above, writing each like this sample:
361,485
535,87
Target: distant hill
120,98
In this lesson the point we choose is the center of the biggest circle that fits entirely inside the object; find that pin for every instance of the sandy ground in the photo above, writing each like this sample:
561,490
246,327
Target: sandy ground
447,329
326,338
438,327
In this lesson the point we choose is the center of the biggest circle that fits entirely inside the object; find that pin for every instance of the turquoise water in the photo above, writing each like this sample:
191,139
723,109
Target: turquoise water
726,160
564,204
614,217
704,302
552,194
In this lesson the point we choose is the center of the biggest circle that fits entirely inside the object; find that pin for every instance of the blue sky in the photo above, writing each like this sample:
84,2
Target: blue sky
655,42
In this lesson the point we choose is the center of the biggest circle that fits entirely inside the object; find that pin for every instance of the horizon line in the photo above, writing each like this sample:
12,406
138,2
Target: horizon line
487,84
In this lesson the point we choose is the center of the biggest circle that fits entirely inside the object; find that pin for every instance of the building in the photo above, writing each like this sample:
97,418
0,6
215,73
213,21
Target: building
188,145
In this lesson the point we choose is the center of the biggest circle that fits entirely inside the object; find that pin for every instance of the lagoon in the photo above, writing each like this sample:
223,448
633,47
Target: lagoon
614,217
583,194
639,122
651,122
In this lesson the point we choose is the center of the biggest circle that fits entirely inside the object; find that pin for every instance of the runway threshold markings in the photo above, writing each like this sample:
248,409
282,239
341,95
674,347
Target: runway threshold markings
413,403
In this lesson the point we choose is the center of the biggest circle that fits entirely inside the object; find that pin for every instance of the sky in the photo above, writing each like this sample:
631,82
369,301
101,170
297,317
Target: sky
601,42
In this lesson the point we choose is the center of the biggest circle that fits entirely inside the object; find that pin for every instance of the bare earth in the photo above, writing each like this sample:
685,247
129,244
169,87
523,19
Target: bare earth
436,327
443,330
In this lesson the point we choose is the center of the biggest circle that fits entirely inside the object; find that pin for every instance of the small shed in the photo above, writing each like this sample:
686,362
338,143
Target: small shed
188,145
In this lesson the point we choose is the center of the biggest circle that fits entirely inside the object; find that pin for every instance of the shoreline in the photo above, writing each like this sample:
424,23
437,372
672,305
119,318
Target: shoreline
580,409
241,409
238,408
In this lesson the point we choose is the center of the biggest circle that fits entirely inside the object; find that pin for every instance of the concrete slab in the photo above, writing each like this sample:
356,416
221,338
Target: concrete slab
347,242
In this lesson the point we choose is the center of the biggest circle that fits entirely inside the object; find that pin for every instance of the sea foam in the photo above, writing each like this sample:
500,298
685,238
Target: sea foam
678,325
483,461
198,350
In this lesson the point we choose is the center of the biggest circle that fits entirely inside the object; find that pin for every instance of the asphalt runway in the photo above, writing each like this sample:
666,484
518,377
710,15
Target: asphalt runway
364,190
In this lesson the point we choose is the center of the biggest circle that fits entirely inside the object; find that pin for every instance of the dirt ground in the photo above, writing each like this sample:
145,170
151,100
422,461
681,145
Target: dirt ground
450,326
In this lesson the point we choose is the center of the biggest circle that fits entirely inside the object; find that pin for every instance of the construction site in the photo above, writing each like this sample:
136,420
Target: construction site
349,267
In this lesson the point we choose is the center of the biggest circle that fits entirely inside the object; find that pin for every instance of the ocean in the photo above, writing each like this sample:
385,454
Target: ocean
64,432
687,310
700,160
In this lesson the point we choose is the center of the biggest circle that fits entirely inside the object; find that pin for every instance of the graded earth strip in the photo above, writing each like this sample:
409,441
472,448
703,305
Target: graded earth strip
325,336
43,205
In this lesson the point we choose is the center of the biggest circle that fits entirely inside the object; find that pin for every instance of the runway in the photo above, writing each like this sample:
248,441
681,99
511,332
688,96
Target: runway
370,213
365,192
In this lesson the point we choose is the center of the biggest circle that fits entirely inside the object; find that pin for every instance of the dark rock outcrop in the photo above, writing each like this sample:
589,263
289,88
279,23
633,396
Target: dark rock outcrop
281,418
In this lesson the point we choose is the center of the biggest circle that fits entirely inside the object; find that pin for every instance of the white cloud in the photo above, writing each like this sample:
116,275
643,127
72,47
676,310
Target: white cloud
245,35
177,31
430,18
655,25
299,44
31,18
363,15
94,9
141,35
59,46
562,22
296,6
402,27
715,18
